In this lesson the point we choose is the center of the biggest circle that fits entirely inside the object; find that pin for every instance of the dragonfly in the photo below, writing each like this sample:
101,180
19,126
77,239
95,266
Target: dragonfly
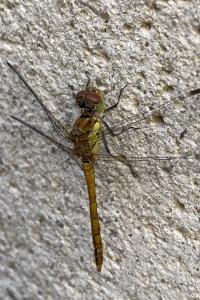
86,137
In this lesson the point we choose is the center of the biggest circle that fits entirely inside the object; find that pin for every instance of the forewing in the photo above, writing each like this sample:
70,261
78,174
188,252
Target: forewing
60,129
140,120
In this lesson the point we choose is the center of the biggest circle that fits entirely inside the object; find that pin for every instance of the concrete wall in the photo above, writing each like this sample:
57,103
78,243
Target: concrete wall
150,222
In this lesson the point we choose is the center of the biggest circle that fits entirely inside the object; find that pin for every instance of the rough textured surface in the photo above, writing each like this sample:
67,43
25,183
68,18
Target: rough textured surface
150,224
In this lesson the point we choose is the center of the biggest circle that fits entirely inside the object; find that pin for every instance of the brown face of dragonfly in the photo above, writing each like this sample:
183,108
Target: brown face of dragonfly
90,100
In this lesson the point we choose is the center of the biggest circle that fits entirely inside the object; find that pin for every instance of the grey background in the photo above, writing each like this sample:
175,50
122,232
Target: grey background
150,224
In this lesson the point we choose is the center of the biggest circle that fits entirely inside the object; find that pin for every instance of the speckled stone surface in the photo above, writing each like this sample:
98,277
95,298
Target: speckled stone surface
150,222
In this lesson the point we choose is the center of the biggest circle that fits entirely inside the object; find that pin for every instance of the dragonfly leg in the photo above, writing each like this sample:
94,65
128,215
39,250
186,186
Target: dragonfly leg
88,82
111,131
122,158
109,128
118,100
106,144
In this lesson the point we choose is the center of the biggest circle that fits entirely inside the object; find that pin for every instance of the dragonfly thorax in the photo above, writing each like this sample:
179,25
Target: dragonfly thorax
85,137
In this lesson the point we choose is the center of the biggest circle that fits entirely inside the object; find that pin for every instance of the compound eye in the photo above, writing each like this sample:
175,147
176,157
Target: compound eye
88,99
80,99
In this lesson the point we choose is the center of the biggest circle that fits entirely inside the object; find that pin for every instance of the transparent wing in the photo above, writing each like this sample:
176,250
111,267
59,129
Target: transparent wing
138,121
60,129
48,137
102,156
132,162
121,146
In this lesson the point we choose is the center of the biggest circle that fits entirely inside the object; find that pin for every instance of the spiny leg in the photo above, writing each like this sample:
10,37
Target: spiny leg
111,108
122,158
111,132
118,100
88,82
60,129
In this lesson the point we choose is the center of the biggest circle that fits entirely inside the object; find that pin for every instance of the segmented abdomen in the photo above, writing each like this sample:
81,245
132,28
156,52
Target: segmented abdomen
95,226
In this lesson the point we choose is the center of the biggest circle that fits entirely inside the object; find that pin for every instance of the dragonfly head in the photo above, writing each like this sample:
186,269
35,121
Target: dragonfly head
90,100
